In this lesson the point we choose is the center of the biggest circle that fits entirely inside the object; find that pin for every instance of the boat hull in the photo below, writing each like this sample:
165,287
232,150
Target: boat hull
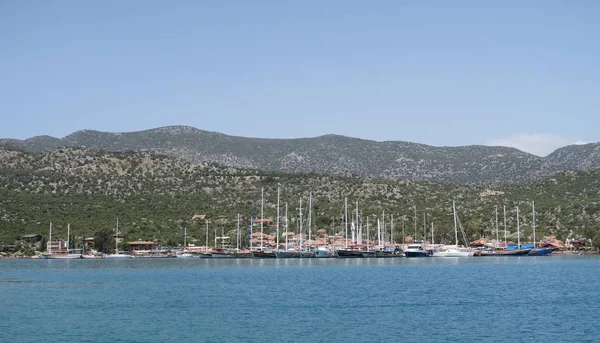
62,257
288,254
519,252
454,253
540,252
263,254
222,255
349,253
420,253
243,255
118,256
324,253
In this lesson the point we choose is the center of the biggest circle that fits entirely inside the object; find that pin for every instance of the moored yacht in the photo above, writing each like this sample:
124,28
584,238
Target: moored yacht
417,250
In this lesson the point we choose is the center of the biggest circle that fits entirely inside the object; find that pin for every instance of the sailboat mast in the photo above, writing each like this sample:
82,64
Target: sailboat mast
378,233
403,234
251,229
455,224
286,227
300,225
277,218
518,230
346,221
237,240
358,231
533,222
504,208
50,240
392,240
383,227
496,212
368,233
424,228
415,218
184,237
309,217
116,237
206,242
262,214
68,233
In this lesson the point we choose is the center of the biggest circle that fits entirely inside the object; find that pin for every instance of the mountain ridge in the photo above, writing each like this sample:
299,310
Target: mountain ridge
333,154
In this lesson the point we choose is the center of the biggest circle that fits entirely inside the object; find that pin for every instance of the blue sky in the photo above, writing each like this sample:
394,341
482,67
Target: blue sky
520,73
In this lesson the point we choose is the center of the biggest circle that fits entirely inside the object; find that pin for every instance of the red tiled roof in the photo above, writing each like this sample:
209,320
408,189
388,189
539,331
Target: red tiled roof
140,243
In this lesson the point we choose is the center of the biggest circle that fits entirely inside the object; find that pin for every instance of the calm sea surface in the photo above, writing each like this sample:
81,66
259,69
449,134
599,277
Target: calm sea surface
483,299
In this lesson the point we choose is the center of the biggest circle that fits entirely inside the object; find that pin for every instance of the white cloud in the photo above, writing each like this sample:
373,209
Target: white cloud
540,144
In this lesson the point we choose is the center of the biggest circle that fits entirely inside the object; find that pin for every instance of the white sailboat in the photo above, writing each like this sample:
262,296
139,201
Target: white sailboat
184,254
453,250
116,254
67,253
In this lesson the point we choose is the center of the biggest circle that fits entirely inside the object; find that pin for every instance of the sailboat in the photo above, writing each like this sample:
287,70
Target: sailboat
537,251
67,253
116,254
348,252
509,250
453,250
262,253
184,254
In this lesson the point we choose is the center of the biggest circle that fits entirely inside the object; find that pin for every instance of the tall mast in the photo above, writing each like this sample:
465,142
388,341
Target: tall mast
286,227
378,233
424,228
432,236
533,222
184,237
277,218
403,235
68,233
383,226
358,232
392,240
368,233
415,218
455,226
262,217
237,240
518,231
251,231
50,240
116,237
496,212
300,225
504,225
309,217
346,221
206,242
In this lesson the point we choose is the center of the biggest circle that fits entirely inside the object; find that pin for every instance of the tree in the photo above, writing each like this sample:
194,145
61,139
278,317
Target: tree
43,244
104,241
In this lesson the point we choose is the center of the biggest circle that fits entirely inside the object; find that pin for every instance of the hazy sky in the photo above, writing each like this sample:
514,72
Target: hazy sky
519,73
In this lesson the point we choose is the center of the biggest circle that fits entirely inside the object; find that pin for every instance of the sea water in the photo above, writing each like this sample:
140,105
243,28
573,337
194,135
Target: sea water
486,299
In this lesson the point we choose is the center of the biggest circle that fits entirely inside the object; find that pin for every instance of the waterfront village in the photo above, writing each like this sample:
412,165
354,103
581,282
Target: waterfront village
261,240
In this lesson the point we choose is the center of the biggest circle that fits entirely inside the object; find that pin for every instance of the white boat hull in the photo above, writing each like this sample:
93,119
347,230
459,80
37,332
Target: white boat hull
118,256
455,253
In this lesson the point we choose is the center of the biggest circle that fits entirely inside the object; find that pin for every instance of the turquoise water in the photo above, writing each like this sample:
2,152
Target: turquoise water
318,300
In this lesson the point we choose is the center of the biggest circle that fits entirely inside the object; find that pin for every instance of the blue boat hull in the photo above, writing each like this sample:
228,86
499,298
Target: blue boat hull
540,252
